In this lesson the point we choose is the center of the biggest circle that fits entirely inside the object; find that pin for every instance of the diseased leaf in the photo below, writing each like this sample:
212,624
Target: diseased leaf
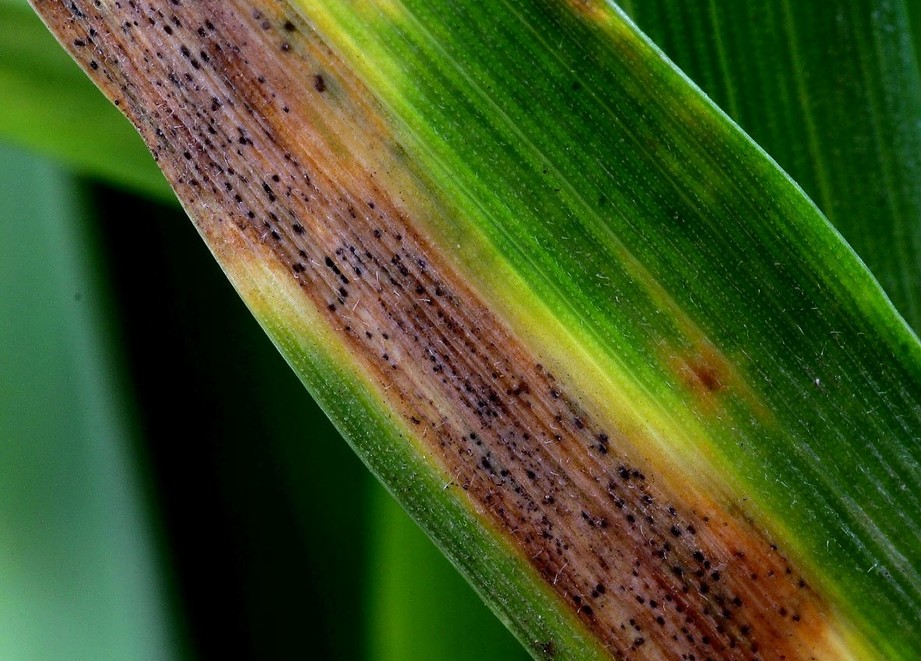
610,356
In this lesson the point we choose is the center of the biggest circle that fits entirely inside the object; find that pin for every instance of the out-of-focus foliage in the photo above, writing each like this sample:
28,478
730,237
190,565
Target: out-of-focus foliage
80,573
47,104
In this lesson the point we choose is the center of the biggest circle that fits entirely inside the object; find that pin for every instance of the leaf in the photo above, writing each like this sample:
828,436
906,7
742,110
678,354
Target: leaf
608,354
832,91
79,566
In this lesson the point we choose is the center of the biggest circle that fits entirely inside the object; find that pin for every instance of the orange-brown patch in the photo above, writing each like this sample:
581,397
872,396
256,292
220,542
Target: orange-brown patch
591,9
705,373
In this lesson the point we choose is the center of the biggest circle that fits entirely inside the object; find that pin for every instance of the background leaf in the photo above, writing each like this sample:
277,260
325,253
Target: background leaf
50,106
80,569
420,607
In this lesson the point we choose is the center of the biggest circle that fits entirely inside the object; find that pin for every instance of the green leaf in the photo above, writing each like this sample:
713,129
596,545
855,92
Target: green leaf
80,572
831,90
609,355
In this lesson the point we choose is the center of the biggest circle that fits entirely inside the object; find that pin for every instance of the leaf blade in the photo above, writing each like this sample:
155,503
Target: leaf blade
694,365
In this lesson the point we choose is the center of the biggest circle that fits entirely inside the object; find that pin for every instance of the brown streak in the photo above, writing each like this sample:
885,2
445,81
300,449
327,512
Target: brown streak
272,145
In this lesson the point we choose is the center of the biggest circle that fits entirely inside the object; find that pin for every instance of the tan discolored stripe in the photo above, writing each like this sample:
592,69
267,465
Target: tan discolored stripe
279,153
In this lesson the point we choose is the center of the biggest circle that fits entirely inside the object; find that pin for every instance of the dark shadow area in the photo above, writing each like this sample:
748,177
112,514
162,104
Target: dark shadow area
262,502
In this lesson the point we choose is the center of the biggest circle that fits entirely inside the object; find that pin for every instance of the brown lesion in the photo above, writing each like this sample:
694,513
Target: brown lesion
712,379
591,9
276,150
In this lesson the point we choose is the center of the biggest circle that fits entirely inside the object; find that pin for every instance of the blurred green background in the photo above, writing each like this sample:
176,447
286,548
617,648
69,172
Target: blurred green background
168,489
